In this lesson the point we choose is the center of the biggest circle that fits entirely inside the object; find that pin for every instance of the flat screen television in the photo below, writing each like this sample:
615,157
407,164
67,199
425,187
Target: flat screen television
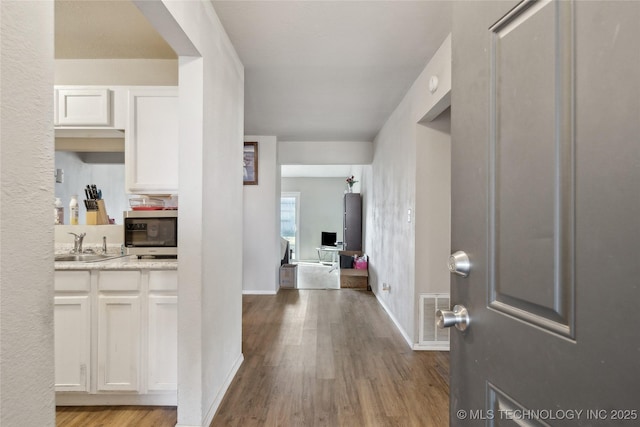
329,239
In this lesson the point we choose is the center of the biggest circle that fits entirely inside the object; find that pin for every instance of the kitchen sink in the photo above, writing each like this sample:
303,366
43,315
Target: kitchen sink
85,257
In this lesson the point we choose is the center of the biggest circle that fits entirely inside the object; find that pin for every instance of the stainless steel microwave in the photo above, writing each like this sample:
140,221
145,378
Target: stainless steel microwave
151,233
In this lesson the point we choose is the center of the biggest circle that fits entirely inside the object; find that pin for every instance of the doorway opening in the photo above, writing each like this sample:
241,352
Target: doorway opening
433,227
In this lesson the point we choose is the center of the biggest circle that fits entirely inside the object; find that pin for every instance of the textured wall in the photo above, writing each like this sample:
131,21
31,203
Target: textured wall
390,240
26,222
392,188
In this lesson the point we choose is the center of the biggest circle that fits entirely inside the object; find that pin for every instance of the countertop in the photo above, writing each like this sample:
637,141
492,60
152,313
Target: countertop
129,262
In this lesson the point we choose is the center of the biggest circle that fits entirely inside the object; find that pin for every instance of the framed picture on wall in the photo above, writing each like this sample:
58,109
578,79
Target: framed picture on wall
250,163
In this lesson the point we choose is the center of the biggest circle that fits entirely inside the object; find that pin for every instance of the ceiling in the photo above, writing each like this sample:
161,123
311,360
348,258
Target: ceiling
87,29
330,70
314,70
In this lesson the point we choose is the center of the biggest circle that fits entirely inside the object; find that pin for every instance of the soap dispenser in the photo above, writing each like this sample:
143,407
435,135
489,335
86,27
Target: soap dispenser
58,212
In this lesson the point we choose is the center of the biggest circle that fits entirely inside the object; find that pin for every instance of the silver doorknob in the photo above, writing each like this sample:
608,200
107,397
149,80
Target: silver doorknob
459,318
459,264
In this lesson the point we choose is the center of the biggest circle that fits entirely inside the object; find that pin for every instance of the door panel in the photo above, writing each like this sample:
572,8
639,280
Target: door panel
531,165
545,200
500,403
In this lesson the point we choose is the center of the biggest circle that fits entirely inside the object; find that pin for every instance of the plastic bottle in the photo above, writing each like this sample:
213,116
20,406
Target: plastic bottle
58,212
74,210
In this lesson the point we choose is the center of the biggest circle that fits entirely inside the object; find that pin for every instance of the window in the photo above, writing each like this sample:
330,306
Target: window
289,214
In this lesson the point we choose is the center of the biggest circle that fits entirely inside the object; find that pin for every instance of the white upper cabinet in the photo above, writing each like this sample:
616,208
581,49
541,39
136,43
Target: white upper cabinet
83,107
147,118
102,108
151,141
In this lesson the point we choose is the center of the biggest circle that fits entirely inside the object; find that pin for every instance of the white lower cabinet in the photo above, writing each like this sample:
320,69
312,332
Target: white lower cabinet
118,342
119,330
72,327
162,339
163,342
116,335
72,330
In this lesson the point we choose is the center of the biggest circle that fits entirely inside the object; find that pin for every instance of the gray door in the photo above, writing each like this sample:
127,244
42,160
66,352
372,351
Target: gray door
546,203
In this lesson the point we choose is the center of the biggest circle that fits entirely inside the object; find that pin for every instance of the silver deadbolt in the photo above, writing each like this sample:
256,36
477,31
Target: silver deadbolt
459,318
459,264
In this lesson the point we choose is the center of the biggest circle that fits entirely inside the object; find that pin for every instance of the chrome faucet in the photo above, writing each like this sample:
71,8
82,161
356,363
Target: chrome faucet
77,243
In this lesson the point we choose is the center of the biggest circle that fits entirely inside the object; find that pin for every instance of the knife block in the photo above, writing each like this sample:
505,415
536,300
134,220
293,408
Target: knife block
98,217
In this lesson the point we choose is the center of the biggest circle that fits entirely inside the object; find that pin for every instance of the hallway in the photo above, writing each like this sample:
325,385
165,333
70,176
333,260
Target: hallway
331,358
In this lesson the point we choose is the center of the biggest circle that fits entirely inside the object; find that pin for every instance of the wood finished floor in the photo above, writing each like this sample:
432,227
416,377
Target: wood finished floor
116,416
331,358
314,358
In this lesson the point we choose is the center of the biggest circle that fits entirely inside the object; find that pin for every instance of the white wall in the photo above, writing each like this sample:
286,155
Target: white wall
77,174
391,186
433,206
149,72
26,226
261,249
211,82
325,152
321,201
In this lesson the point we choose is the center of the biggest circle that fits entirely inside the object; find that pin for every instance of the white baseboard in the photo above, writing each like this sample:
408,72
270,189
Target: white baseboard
395,322
218,400
431,347
113,399
250,292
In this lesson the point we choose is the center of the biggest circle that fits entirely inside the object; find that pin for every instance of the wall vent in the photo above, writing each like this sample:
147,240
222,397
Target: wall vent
431,337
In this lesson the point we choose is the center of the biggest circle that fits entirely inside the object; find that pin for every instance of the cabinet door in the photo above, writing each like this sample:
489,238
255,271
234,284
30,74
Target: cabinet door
72,325
118,342
83,107
151,141
352,222
163,342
